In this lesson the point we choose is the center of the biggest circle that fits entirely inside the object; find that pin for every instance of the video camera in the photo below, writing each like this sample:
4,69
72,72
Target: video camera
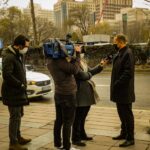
57,48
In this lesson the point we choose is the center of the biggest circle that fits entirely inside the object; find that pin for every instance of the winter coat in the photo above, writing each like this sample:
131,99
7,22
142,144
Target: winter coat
86,93
14,77
63,75
122,78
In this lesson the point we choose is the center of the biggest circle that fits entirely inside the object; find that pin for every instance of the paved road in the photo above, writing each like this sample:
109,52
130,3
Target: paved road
142,91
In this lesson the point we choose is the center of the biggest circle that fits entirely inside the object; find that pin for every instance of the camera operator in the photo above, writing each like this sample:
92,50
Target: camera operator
63,73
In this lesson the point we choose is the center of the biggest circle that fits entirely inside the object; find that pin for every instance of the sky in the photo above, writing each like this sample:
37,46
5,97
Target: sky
48,4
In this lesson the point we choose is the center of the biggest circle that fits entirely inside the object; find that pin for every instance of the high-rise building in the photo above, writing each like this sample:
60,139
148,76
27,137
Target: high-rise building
106,9
62,7
130,17
48,15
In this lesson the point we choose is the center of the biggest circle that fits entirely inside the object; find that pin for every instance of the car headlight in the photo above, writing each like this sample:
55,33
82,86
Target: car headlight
31,82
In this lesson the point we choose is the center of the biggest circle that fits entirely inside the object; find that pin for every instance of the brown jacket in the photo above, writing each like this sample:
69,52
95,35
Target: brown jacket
63,75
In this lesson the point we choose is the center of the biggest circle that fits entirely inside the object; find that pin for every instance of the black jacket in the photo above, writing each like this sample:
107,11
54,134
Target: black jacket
13,72
122,78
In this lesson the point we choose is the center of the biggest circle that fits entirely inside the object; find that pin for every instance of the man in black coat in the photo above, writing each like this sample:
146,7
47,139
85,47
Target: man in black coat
122,89
14,89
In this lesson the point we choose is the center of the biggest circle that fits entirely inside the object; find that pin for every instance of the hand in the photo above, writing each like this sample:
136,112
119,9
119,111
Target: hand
104,62
77,48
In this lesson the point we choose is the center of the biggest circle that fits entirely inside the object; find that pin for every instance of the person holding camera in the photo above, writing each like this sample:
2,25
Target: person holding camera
122,89
86,96
14,89
63,71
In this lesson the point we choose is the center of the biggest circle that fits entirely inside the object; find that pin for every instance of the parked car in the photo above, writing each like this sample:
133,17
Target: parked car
38,84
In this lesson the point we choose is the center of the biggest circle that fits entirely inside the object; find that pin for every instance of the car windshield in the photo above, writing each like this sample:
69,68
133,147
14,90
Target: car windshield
29,68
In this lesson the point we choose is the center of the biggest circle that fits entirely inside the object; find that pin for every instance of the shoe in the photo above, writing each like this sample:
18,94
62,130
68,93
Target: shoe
72,148
127,143
119,137
59,148
16,147
87,138
78,143
148,131
23,141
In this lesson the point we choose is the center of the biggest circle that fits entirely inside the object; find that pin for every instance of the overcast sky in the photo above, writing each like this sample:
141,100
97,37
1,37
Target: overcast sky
48,4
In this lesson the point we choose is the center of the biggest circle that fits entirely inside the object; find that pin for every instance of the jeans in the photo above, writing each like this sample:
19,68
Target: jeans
14,123
65,106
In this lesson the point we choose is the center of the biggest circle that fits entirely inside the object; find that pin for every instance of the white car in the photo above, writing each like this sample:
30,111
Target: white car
38,84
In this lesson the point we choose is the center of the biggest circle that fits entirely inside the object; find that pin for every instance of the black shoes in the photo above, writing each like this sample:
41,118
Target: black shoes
119,137
16,146
127,143
78,143
87,138
23,141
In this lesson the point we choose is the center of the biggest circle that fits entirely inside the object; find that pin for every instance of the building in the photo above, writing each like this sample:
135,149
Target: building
48,15
62,8
106,9
133,22
132,16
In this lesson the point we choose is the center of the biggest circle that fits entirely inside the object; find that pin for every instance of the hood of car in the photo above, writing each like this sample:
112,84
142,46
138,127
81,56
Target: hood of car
36,76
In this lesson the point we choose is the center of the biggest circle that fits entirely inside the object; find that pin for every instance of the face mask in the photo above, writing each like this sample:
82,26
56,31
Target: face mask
82,55
23,51
116,47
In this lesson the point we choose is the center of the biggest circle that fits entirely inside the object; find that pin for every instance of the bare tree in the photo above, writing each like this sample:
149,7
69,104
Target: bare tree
45,29
34,22
12,23
80,17
101,28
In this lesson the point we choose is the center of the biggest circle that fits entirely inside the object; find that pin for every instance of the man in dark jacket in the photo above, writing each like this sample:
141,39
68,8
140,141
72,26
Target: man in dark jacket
63,73
14,89
122,89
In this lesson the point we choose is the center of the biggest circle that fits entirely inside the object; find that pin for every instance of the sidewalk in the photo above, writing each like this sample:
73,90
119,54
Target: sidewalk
102,123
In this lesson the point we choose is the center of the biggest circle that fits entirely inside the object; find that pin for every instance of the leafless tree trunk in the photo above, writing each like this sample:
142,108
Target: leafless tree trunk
34,22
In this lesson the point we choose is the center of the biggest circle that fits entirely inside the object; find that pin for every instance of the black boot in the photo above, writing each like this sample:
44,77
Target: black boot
78,143
23,141
127,143
16,147
86,138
